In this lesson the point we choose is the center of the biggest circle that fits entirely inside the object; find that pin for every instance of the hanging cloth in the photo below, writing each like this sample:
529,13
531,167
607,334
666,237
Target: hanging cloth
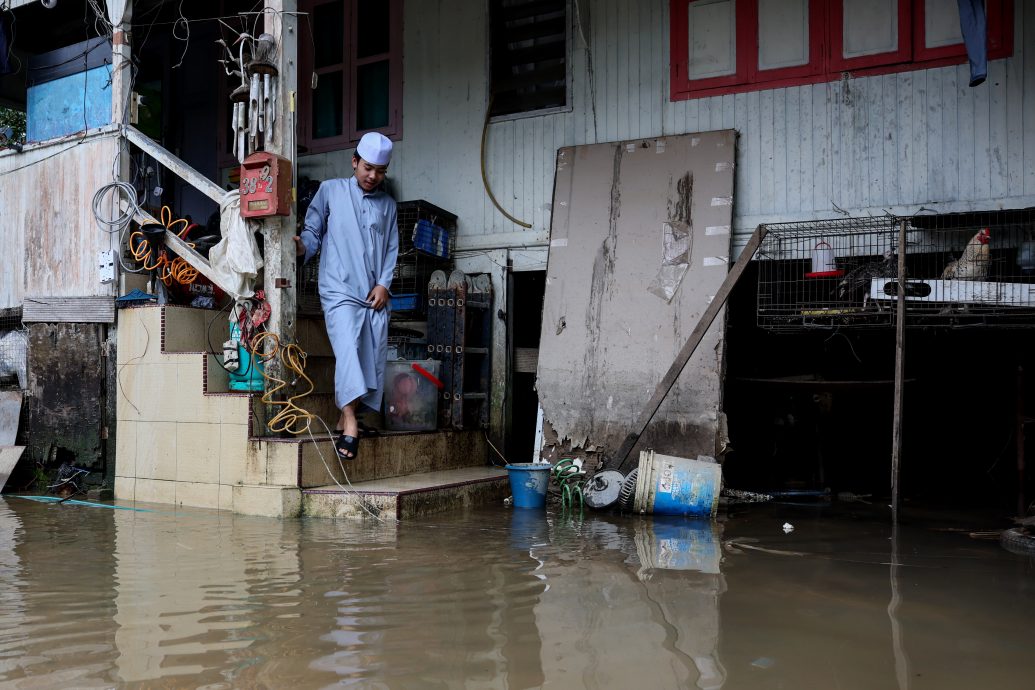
974,27
235,258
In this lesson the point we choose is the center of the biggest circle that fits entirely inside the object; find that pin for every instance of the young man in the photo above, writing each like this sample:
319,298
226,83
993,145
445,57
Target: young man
354,221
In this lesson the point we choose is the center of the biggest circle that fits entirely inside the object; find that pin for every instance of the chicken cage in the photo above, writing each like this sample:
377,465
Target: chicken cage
427,240
960,270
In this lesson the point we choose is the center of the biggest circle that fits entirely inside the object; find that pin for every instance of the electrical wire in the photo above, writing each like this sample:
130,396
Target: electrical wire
485,178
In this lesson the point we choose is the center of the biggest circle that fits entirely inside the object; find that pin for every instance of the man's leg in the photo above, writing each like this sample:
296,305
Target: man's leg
348,423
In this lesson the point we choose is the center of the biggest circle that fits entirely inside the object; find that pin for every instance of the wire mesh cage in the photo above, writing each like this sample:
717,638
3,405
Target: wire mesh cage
960,269
14,349
427,241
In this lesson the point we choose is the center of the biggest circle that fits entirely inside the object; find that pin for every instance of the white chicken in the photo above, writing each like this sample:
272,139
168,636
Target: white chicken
975,261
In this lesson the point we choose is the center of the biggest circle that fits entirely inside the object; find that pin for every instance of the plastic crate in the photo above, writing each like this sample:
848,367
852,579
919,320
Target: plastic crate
406,302
431,239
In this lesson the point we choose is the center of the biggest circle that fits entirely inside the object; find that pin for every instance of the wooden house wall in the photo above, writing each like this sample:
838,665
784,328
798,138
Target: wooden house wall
50,237
897,141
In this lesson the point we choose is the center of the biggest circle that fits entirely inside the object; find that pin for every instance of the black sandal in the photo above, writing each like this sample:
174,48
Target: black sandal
347,444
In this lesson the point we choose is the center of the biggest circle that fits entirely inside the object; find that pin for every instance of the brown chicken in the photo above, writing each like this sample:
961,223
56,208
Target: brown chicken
975,261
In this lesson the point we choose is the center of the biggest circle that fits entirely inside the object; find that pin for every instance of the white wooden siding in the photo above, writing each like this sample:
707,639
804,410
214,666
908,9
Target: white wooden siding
897,142
50,238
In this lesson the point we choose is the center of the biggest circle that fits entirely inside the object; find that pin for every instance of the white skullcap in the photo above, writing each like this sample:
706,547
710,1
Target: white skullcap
375,148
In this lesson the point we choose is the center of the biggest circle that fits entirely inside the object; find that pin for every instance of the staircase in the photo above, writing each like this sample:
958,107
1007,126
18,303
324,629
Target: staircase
184,438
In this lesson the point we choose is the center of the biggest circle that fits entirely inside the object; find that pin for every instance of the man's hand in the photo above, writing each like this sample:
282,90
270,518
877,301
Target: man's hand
378,297
299,247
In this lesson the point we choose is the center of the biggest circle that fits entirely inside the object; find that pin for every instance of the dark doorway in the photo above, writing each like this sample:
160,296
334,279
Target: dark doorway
524,321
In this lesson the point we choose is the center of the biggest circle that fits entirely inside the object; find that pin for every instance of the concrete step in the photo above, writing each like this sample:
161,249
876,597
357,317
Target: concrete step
393,455
408,497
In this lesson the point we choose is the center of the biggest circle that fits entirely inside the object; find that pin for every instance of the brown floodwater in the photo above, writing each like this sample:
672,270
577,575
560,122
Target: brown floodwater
505,598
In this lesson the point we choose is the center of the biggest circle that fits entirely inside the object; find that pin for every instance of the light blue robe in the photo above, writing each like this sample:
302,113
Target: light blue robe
357,231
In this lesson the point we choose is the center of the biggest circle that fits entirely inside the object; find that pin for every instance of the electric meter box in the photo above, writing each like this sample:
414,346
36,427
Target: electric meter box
265,185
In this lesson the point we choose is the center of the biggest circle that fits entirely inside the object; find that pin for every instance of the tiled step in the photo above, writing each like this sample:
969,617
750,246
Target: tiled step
410,496
394,455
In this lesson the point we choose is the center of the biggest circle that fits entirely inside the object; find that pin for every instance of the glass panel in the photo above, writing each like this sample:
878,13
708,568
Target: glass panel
941,23
329,33
372,28
870,27
713,38
783,33
327,105
372,96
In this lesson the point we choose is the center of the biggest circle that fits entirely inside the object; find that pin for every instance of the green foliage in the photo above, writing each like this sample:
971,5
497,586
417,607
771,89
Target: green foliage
15,119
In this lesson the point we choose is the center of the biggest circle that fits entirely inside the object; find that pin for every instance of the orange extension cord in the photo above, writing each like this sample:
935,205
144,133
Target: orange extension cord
179,269
291,418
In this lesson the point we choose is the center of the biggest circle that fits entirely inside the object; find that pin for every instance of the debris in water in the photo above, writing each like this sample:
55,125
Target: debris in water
763,662
788,528
739,496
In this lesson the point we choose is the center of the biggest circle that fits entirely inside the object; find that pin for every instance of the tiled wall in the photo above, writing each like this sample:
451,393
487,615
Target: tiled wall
180,438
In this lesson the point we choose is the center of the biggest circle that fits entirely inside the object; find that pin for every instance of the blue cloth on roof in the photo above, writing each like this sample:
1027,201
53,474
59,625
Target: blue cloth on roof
974,27
360,245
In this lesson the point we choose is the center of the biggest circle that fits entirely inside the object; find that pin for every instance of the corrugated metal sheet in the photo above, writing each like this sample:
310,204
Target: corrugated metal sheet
50,239
896,141
68,310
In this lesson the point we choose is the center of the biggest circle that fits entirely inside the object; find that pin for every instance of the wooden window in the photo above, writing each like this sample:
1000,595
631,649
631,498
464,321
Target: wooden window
937,30
528,55
352,49
725,46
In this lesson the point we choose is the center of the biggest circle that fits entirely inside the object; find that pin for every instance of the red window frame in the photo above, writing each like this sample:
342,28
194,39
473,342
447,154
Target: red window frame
826,43
1000,34
351,63
837,40
817,46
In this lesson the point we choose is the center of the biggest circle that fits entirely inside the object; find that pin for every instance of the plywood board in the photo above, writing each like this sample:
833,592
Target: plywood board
10,414
607,339
9,456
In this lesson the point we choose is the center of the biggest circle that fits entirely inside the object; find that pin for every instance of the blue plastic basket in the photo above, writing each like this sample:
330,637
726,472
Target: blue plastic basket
406,302
431,239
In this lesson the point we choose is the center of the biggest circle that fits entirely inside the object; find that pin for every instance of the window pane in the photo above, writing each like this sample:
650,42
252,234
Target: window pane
870,27
329,33
941,23
327,106
372,28
713,38
783,33
372,96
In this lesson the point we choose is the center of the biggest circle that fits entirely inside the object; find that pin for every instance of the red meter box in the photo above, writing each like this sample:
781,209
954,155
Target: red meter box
265,185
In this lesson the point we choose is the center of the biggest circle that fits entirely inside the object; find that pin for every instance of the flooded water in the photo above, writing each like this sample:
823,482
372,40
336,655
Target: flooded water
503,598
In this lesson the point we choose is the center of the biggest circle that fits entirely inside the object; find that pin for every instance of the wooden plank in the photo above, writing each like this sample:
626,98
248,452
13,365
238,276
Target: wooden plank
93,309
620,459
182,249
174,164
8,459
10,416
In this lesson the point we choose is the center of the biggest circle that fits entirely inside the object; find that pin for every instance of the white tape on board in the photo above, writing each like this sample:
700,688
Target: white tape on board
559,242
722,201
716,260
717,230
723,166
659,145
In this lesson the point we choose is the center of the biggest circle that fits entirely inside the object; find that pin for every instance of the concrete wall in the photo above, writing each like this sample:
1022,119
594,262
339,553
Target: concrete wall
895,141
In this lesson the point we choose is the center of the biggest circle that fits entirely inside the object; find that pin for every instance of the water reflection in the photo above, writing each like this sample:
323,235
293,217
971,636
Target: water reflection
502,598
664,575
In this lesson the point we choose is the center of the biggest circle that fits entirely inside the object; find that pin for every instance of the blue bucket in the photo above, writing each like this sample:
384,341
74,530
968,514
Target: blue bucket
667,485
528,482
